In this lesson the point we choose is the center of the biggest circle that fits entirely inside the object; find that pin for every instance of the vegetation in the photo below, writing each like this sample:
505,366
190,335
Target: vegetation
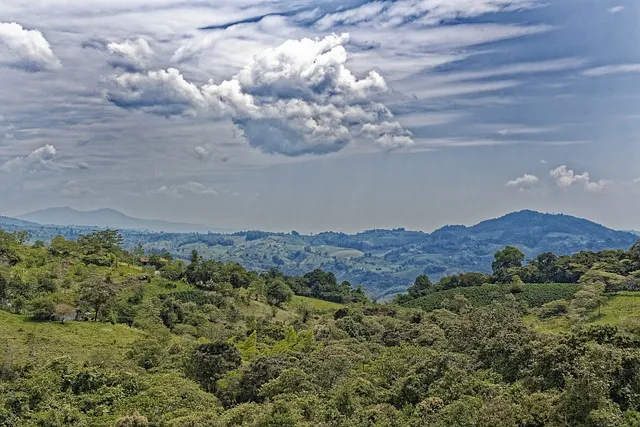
384,262
93,335
533,295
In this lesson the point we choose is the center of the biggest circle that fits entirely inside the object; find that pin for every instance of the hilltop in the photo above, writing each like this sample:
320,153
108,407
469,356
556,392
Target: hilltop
5,220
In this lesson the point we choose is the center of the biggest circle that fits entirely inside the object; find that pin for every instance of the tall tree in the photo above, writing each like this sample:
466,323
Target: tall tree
97,293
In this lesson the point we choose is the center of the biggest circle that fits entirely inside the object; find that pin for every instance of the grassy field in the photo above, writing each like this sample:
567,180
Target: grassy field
621,310
317,304
24,339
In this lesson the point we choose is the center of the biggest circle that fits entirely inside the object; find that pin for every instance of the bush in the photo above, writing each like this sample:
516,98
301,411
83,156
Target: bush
209,362
43,309
554,309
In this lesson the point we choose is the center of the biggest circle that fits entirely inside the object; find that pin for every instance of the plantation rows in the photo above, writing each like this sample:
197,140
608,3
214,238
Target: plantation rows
534,295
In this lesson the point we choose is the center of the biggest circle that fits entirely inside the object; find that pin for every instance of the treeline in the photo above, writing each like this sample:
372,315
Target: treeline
616,269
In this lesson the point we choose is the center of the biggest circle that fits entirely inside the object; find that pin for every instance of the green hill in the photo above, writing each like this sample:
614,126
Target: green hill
94,335
385,262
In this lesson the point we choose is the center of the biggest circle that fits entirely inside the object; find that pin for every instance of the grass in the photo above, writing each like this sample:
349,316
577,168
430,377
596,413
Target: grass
621,309
38,341
261,309
317,304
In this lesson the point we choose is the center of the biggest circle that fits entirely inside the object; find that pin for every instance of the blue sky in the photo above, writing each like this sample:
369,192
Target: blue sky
311,116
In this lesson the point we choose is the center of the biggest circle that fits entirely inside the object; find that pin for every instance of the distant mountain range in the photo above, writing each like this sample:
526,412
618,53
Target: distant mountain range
5,220
107,218
384,261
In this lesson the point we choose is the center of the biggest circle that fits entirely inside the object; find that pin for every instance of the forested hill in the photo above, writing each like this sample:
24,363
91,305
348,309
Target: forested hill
384,261
94,335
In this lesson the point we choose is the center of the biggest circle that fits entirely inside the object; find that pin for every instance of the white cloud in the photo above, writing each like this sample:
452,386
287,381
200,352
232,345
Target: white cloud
425,12
524,182
612,69
203,152
36,159
163,92
523,130
616,9
25,49
294,99
208,152
190,188
435,85
131,54
566,178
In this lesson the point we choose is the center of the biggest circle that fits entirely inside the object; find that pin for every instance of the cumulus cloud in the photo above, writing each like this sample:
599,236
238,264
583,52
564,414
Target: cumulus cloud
294,99
36,159
566,178
25,49
616,9
182,190
612,69
132,55
524,182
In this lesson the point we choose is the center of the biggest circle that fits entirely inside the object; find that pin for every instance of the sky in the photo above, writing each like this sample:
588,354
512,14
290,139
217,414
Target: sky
322,115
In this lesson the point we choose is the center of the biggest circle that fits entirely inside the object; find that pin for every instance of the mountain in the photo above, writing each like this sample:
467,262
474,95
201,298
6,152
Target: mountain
5,220
107,218
385,262
533,232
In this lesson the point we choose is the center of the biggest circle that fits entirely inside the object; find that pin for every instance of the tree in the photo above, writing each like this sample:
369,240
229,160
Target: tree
107,240
195,257
547,267
509,257
421,286
5,275
278,292
209,362
257,288
135,420
97,293
506,263
138,252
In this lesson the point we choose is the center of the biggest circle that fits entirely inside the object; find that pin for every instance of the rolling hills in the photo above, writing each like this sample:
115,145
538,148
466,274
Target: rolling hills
384,261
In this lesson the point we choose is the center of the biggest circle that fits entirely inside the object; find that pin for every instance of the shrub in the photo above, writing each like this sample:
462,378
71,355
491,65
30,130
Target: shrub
554,308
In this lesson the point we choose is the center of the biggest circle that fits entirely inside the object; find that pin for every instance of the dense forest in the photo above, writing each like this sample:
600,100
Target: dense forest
94,335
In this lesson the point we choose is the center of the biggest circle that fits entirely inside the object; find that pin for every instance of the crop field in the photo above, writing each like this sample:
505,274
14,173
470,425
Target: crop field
534,294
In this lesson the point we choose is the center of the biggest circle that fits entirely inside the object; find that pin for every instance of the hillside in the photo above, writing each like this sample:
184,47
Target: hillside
91,337
8,221
107,218
384,261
